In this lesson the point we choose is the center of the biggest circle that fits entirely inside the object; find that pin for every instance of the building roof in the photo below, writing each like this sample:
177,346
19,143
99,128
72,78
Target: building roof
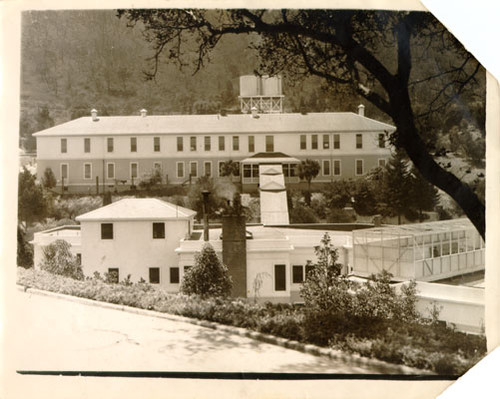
206,124
270,158
413,229
138,209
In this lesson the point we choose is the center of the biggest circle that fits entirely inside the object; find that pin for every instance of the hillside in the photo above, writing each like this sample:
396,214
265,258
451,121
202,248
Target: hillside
73,61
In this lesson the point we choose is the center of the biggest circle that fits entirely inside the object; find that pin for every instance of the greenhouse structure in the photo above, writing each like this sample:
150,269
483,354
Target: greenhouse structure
424,251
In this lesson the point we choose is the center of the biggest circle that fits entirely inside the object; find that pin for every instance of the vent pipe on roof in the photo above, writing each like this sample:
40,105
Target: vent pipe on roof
254,112
93,112
205,194
361,110
144,113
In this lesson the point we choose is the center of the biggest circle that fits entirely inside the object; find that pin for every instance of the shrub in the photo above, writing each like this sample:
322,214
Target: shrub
58,259
302,214
208,277
432,347
48,179
336,215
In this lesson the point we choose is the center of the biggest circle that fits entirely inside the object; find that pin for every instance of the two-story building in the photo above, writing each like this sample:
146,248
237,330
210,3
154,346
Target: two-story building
134,236
116,151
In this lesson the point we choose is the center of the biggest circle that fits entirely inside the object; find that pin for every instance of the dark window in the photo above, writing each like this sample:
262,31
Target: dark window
193,166
156,144
326,141
269,143
192,143
381,163
158,230
326,168
222,143
154,275
133,170
236,143
64,145
303,142
336,141
207,166
114,275
180,169
381,140
208,143
174,275
251,144
133,144
247,171
79,259
336,167
87,171
314,141
180,144
359,167
298,274
86,145
359,141
279,277
64,171
111,170
110,144
106,231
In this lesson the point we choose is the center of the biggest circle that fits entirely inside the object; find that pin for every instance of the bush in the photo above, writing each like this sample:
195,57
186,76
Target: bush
302,214
336,215
432,347
57,259
208,277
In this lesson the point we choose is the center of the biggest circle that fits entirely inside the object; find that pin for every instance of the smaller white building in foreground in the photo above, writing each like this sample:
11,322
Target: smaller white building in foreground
135,237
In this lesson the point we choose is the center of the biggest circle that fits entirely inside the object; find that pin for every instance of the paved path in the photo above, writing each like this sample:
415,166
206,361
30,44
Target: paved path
55,334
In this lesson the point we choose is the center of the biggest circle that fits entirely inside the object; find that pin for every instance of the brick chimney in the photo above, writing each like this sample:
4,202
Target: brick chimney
93,112
234,252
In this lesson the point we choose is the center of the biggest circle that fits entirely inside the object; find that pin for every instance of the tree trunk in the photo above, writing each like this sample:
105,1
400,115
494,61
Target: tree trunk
410,140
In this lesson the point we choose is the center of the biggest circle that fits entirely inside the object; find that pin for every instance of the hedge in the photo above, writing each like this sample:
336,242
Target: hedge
433,347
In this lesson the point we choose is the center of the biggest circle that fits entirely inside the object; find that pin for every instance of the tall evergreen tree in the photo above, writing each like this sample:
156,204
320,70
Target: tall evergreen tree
397,188
208,277
424,195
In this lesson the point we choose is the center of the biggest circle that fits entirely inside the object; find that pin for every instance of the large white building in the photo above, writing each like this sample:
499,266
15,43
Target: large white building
120,151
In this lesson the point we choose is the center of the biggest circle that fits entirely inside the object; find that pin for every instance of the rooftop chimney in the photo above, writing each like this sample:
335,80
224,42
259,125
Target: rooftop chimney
254,112
144,113
361,110
93,112
205,194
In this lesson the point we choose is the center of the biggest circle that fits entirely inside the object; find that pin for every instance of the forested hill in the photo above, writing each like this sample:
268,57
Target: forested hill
73,61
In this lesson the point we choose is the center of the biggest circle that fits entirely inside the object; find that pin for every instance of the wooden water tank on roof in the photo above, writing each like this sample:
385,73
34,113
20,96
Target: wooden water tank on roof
250,86
271,86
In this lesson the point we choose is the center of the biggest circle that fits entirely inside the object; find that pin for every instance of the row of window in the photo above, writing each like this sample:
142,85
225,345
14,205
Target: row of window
180,144
107,232
336,141
329,168
174,275
207,143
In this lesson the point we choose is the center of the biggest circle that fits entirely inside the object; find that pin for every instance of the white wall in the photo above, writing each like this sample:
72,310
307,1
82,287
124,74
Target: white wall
132,249
458,305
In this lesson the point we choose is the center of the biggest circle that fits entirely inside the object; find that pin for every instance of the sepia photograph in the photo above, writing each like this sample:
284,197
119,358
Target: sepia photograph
249,193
